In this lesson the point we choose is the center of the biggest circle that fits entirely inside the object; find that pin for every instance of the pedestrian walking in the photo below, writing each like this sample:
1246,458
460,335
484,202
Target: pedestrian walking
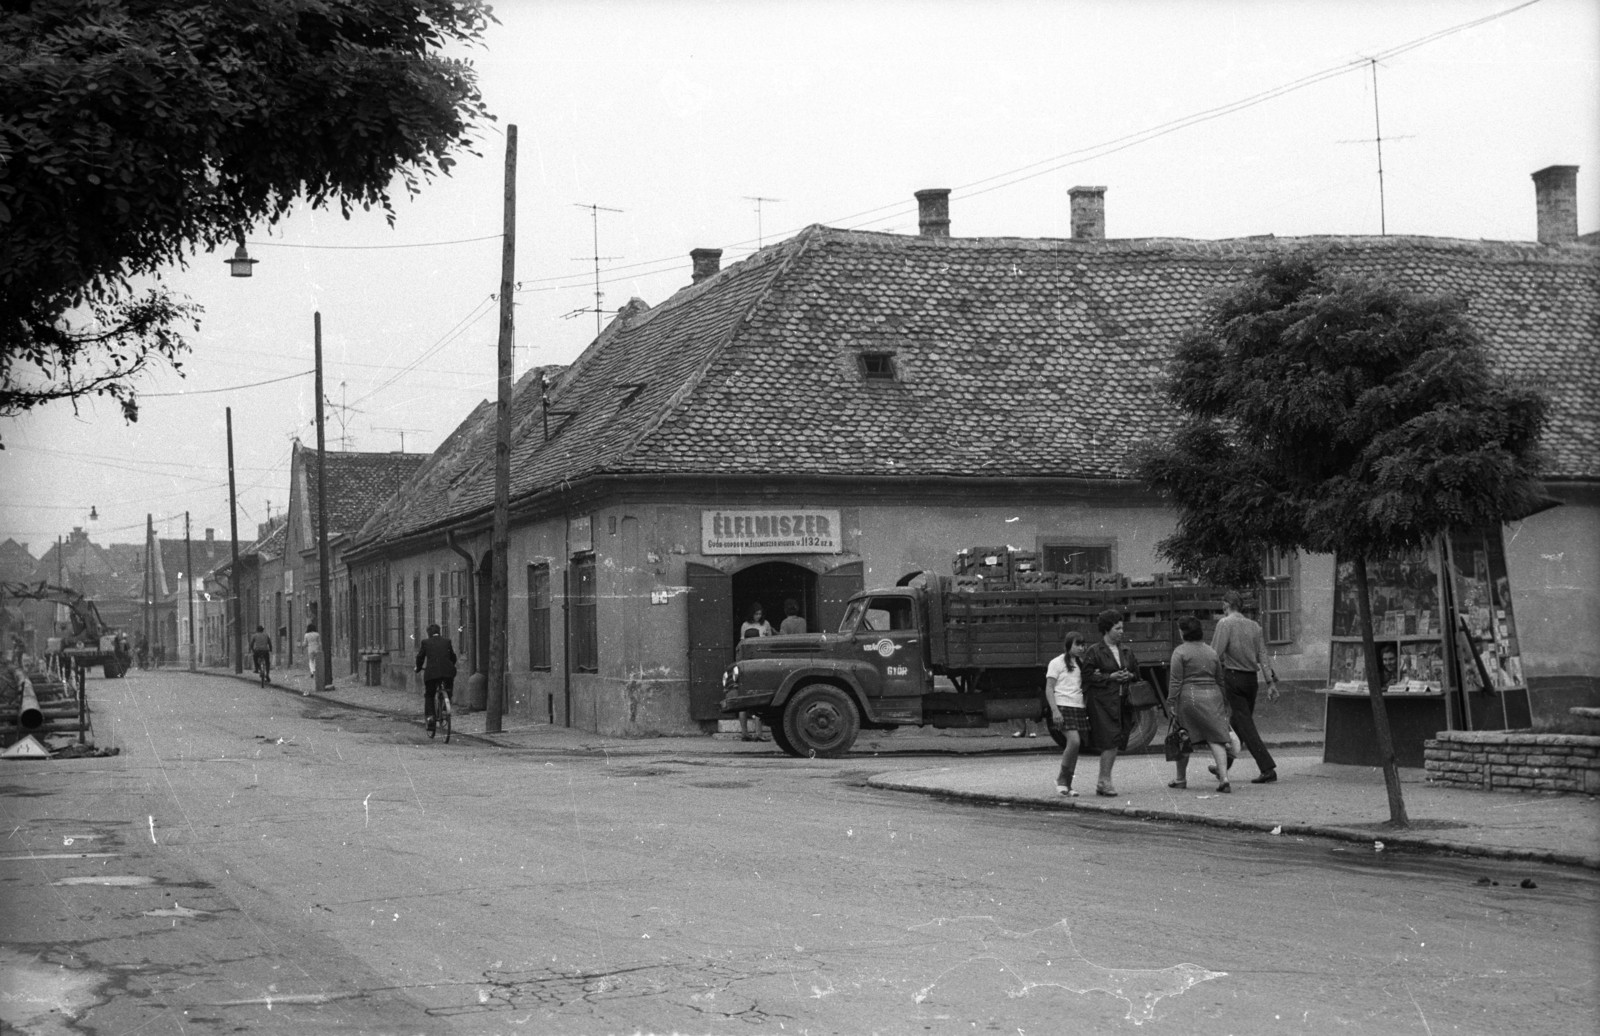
1240,645
1063,689
312,642
1109,668
1199,704
436,661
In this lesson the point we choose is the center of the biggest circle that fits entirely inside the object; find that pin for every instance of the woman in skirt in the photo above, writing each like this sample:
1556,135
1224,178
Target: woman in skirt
1063,689
1199,704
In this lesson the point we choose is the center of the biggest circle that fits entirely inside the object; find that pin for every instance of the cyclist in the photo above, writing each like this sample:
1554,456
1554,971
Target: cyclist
436,661
261,653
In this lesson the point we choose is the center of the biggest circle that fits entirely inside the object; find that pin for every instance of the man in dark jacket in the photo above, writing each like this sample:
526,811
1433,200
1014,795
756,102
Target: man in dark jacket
436,661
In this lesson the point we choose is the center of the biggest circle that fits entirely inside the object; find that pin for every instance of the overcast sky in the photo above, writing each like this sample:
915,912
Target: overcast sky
677,113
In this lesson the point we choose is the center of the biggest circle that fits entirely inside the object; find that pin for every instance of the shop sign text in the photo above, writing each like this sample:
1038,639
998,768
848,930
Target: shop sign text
798,531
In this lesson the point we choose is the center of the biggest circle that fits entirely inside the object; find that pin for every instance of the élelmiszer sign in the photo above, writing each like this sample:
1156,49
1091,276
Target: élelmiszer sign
770,531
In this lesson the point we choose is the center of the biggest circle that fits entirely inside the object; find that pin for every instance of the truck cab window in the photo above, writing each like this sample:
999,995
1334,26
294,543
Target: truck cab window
887,614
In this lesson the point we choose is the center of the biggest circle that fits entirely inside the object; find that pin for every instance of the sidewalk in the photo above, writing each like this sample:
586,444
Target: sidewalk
1310,797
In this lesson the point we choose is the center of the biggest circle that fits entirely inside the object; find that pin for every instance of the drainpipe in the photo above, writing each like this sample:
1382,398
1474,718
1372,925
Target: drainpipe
472,600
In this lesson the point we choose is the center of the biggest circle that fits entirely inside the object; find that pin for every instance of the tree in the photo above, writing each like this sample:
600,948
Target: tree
134,132
1342,416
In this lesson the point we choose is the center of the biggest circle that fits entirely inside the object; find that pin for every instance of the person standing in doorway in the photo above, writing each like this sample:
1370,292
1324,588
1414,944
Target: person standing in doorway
1109,668
1063,689
792,622
755,625
313,645
1239,643
436,661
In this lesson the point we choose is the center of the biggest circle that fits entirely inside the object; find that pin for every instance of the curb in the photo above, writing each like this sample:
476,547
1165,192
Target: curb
1391,839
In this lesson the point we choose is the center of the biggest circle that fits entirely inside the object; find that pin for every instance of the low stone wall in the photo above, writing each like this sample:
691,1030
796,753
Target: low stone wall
1497,759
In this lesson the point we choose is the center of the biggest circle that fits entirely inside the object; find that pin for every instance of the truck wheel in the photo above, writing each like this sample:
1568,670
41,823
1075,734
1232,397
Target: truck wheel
821,719
1144,728
779,738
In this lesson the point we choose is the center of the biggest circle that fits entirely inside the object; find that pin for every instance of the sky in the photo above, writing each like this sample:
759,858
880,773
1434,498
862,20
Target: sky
1202,118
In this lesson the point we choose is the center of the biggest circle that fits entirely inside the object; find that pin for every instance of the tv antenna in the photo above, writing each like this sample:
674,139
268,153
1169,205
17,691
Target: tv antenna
758,199
594,215
1377,139
341,413
402,432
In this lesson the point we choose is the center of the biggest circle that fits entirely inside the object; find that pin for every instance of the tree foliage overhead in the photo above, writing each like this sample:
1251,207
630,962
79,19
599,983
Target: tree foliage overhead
1337,415
133,132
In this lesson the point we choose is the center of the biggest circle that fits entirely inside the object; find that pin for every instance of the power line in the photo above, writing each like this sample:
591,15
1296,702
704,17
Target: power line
230,388
359,248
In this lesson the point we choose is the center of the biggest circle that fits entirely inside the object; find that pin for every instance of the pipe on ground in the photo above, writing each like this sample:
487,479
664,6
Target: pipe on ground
29,715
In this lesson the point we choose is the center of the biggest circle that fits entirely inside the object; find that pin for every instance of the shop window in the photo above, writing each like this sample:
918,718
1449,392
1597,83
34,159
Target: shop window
1278,597
585,656
539,616
1078,557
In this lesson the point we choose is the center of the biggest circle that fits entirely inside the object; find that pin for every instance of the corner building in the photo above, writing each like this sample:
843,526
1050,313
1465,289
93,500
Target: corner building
844,408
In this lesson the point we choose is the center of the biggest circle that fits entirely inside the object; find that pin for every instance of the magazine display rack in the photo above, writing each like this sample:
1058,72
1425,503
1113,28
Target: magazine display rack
1446,636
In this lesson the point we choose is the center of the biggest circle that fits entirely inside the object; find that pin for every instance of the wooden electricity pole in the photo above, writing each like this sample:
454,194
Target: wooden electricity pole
324,677
188,572
233,573
499,603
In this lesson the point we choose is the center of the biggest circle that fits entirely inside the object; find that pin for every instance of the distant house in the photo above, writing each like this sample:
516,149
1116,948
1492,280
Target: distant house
845,407
357,484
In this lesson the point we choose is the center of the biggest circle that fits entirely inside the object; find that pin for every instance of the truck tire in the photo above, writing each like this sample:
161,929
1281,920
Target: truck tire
821,720
1145,722
779,738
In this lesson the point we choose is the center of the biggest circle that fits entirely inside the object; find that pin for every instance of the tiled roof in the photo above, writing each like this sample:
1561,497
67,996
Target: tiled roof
1015,357
357,484
269,546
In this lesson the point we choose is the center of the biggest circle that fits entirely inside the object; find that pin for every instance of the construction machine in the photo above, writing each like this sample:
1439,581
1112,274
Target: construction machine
91,642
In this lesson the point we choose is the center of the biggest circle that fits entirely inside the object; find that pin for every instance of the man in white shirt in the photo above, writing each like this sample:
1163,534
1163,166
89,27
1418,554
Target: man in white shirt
1239,643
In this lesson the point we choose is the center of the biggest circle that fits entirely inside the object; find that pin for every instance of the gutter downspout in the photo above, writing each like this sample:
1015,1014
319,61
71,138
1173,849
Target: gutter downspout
472,600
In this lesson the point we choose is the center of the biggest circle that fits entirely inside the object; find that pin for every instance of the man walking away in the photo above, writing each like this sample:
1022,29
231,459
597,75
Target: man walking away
436,661
1239,643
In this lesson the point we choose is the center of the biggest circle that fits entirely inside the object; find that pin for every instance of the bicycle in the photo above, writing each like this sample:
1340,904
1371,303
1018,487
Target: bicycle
263,667
442,712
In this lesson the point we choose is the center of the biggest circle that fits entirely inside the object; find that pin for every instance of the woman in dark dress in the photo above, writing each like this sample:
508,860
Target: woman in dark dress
1108,668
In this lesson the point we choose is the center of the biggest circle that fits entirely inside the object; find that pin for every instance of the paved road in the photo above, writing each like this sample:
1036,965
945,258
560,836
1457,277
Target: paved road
278,864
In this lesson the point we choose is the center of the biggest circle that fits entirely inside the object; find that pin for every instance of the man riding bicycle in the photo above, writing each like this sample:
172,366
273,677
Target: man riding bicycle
436,661
261,653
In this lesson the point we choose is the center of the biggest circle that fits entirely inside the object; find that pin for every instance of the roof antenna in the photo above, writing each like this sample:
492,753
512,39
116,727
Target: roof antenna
758,199
594,214
1377,139
402,432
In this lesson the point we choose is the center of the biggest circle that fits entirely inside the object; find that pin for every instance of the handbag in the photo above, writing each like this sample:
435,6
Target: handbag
1177,743
1141,695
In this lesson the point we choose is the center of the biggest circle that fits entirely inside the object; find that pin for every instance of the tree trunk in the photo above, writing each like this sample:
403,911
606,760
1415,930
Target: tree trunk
1375,687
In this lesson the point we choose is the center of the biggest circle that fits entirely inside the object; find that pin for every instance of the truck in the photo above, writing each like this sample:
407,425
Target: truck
930,651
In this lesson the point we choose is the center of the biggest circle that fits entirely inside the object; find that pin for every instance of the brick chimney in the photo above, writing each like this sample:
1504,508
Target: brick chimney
933,212
707,261
211,534
1555,190
1088,213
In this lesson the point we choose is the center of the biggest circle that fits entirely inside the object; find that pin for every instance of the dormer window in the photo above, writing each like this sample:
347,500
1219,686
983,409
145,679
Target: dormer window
878,367
630,392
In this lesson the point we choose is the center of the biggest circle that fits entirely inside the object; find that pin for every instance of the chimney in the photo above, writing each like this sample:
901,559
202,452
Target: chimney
1555,191
707,261
933,212
1088,213
211,534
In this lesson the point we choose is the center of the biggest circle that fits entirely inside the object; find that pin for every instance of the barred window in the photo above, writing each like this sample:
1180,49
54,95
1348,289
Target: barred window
539,616
585,649
1277,598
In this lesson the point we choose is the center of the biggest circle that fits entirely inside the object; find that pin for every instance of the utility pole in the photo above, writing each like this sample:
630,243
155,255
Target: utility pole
324,677
233,573
499,603
188,571
149,578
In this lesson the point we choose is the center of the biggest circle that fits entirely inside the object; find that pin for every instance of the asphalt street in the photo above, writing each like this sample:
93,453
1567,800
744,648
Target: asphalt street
254,861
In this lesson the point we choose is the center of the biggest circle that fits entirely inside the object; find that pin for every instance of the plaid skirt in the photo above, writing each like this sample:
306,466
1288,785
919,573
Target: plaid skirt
1073,718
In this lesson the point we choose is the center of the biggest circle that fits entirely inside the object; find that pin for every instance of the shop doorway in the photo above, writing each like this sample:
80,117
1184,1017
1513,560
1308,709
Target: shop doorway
770,586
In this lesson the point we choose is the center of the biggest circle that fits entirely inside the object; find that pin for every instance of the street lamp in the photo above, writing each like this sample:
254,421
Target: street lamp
241,262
